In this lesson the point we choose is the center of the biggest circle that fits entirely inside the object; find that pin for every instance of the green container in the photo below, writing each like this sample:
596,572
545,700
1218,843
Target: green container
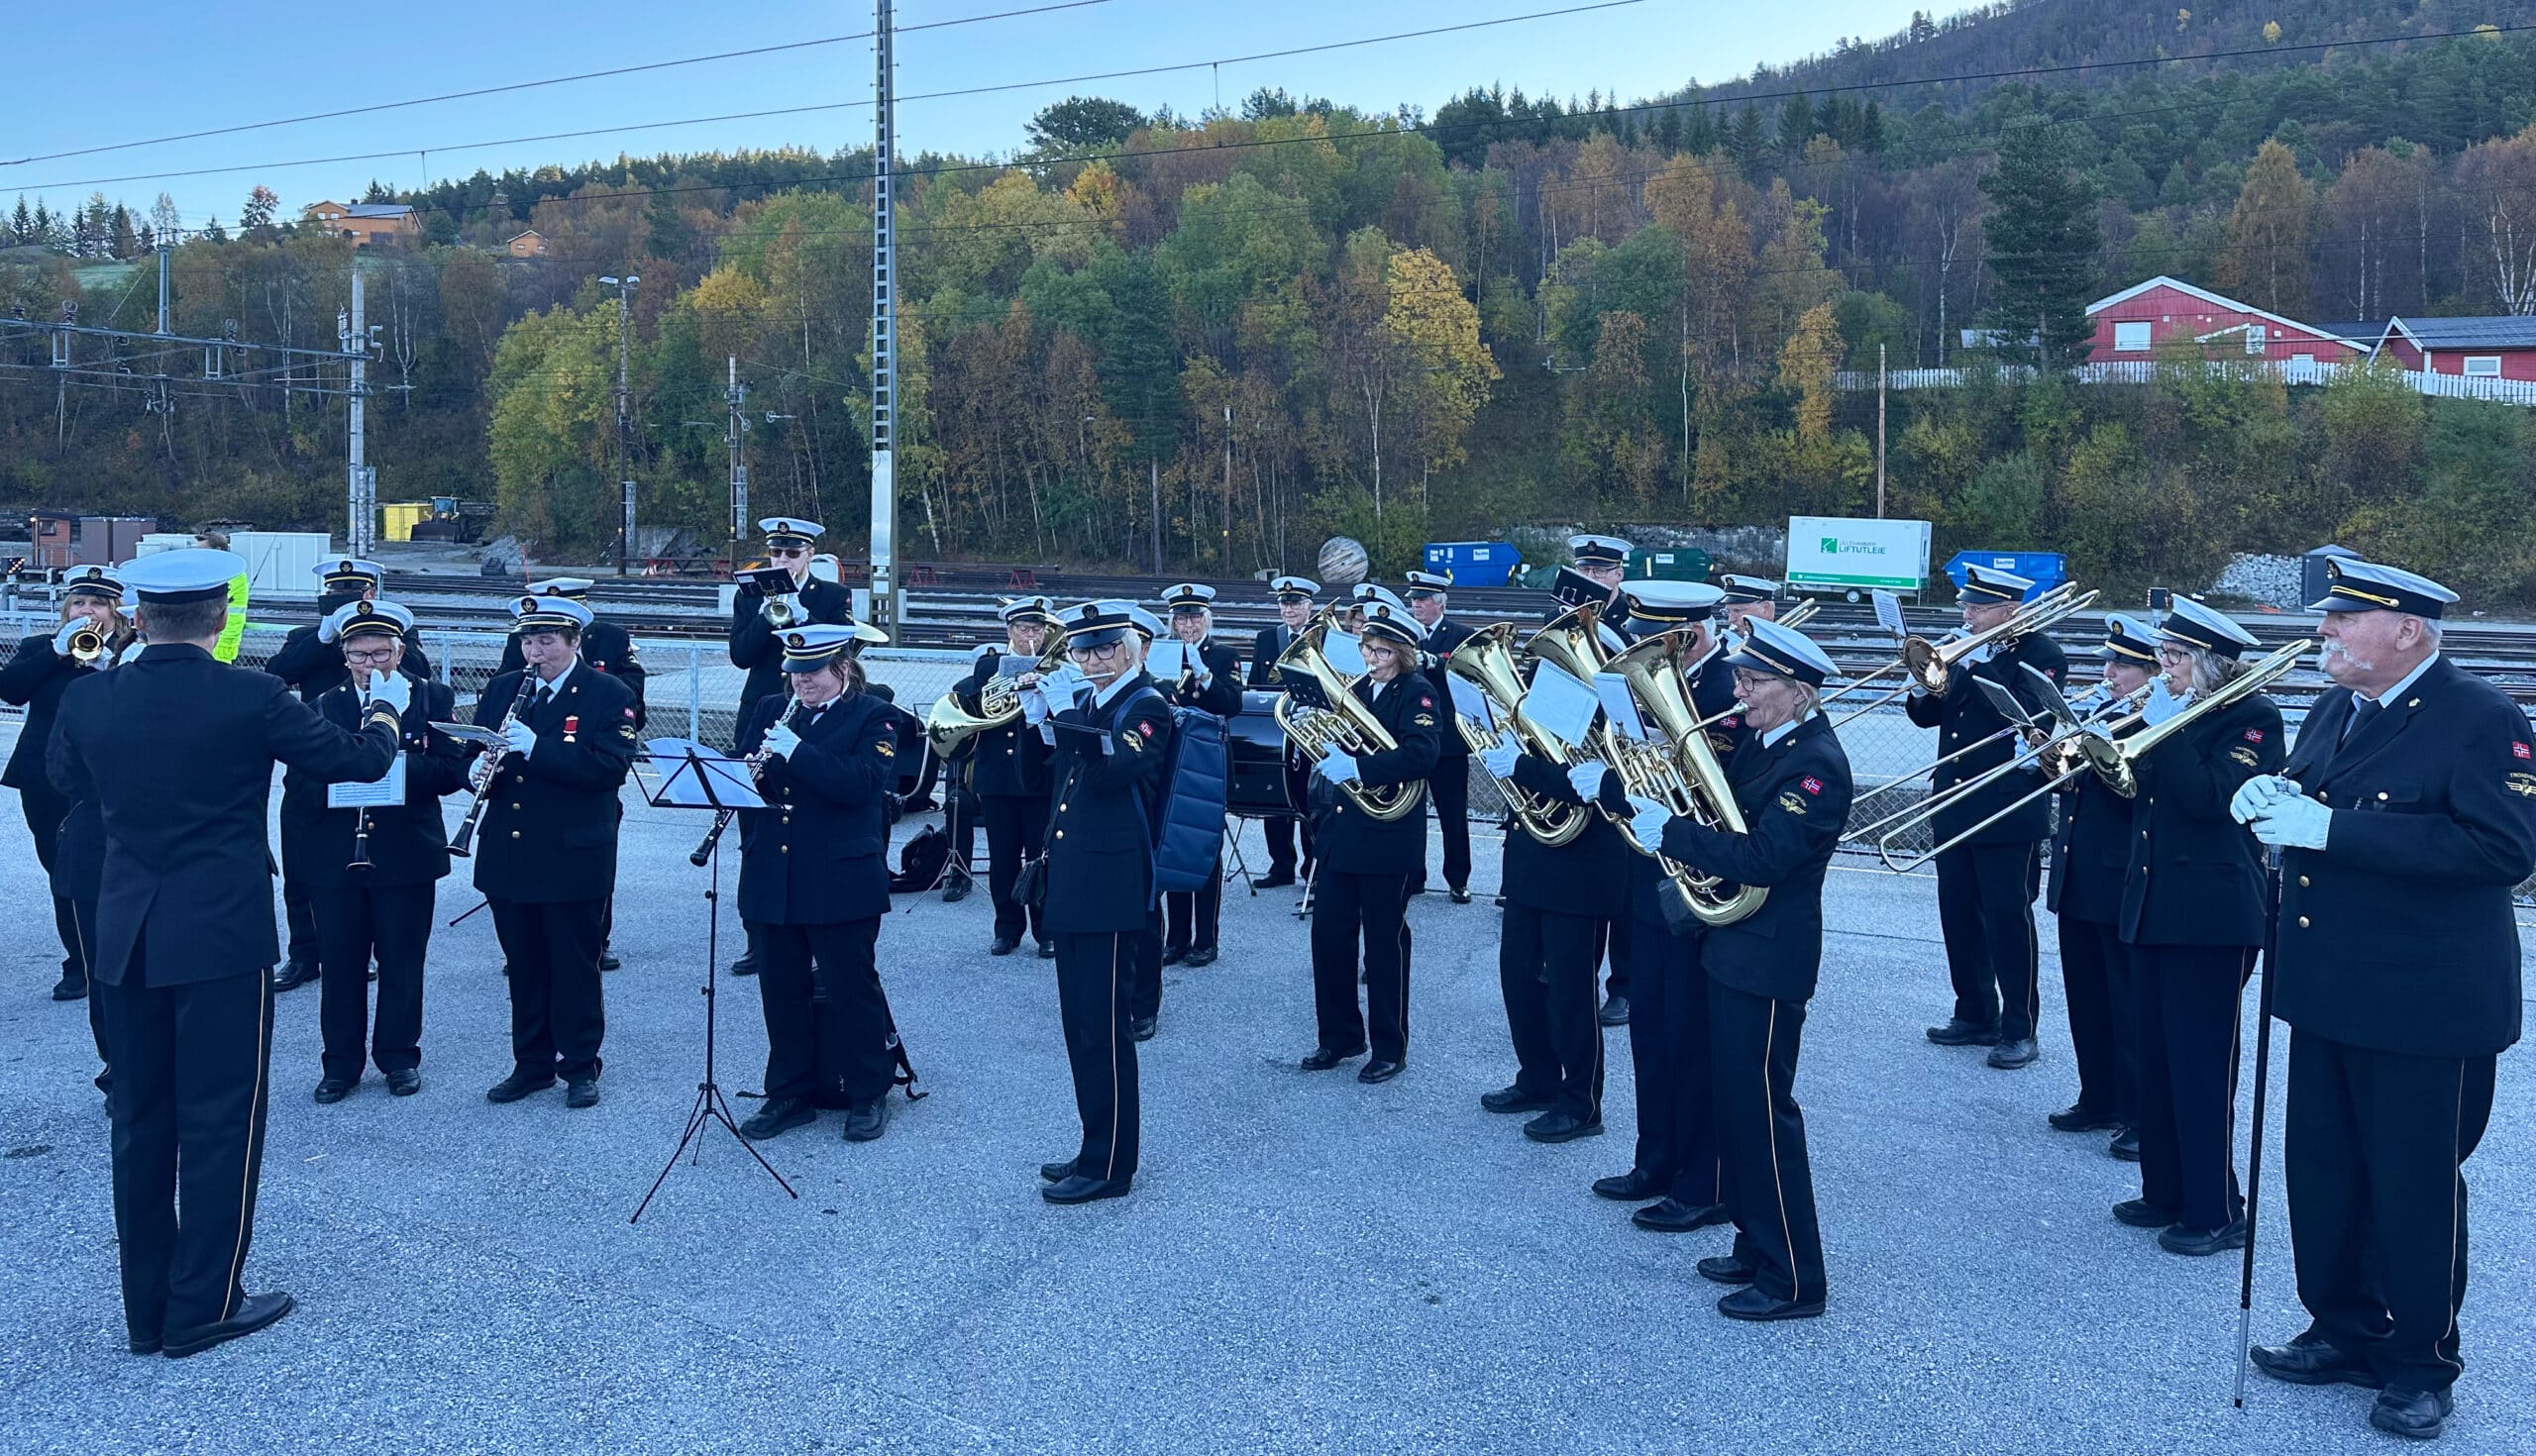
1669,563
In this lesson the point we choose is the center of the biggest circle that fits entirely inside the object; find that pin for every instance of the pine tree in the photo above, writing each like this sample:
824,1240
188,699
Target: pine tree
1745,143
2043,243
1796,125
22,226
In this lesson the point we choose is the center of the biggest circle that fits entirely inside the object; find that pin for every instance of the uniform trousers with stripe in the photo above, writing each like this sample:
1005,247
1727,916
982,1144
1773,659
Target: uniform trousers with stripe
45,810
1145,990
190,1065
1760,1133
1545,970
1985,911
1668,1052
2104,1025
2189,997
557,1018
827,1021
392,922
1448,792
1346,908
2378,1143
1017,828
1094,973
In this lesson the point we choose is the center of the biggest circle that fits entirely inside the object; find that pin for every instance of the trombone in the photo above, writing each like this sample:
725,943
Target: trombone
1797,615
2058,752
1928,664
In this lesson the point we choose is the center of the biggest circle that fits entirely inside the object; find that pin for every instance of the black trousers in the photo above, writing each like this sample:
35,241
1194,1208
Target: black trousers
1191,917
557,1017
44,811
2378,1143
2104,1024
1280,833
299,918
827,1023
392,922
1545,972
1448,790
1985,909
84,914
1668,1052
1092,975
1016,831
1620,945
190,1065
2189,998
1145,988
1760,1130
1373,908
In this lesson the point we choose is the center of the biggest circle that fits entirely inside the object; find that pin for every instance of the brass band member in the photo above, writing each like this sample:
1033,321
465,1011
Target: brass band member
754,618
605,648
1144,993
1009,777
1986,886
1791,778
372,874
2192,914
1362,888
814,879
1294,613
546,860
1449,788
2407,817
34,680
1747,597
1112,732
1604,561
2090,856
1214,683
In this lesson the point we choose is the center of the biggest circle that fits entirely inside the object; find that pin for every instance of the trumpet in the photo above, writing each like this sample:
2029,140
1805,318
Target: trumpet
1677,769
2114,759
1487,660
1345,726
1928,664
947,724
461,844
88,647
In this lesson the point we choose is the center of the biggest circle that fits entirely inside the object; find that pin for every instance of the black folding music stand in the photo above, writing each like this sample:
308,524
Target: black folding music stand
690,769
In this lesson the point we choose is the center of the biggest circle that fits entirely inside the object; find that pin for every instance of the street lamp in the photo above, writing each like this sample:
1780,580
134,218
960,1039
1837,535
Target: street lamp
624,428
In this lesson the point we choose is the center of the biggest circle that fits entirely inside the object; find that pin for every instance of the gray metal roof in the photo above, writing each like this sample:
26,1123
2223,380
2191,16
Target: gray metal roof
377,209
2490,331
2358,331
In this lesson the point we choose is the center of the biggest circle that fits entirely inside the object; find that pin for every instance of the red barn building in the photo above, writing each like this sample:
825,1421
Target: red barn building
2150,321
2499,346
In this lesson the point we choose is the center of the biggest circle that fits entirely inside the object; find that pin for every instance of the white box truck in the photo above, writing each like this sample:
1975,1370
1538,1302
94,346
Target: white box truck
1849,556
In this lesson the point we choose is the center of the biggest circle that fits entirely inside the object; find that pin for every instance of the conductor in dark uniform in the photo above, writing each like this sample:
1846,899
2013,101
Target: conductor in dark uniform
814,879
177,750
546,857
1449,790
372,874
1294,613
34,679
605,648
1791,778
1210,680
1008,778
757,616
1110,731
1986,886
1361,892
2406,818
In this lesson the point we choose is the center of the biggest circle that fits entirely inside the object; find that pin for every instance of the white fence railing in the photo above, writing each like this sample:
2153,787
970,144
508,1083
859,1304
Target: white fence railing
2148,371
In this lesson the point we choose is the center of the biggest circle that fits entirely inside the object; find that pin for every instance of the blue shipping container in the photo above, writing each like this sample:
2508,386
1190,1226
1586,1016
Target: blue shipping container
2046,569
1472,563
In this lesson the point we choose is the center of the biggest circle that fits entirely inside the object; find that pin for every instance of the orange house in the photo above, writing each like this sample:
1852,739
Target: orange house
365,223
531,243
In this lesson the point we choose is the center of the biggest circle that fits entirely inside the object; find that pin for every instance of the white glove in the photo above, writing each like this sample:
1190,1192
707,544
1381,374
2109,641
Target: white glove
1587,779
393,688
779,743
1034,705
326,628
1338,769
519,737
2294,823
2256,796
1499,761
1646,820
61,635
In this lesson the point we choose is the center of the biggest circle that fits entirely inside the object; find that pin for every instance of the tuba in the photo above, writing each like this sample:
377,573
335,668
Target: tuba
947,724
1346,725
1676,769
1487,662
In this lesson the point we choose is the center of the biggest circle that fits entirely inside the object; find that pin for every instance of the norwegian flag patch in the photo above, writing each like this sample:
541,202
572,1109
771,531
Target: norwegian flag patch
1145,728
2254,735
1734,723
1810,785
2519,750
629,712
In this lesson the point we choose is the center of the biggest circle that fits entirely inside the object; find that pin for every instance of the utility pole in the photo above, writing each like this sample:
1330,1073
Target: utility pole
352,334
1228,490
1879,432
734,396
884,321
624,418
1155,464
163,288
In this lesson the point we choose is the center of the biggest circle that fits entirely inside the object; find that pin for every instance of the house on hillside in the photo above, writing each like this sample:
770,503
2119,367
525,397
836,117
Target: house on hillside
2494,346
531,243
388,224
2150,321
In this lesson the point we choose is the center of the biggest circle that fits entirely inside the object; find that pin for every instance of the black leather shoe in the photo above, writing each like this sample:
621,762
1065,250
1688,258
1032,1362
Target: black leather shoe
1561,1127
73,986
2014,1053
1614,1011
519,1085
2200,1243
1275,879
1047,950
2125,1145
1004,945
2140,1214
956,891
1378,1072
1203,955
1174,954
1081,1190
778,1116
1957,1032
2311,1361
404,1081
581,1092
1324,1058
332,1090
1727,1269
607,961
1749,1303
1634,1187
1142,1028
1056,1172
1512,1099
291,975
145,1344
1460,897
869,1120
744,966
2419,1415
254,1312
1673,1215
2079,1120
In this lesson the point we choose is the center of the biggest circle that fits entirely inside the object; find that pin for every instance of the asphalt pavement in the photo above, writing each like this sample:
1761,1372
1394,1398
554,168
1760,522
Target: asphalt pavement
1307,1264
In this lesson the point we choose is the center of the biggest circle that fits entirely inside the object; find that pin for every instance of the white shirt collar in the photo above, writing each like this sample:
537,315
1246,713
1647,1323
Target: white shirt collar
2403,686
1771,738
556,687
1118,686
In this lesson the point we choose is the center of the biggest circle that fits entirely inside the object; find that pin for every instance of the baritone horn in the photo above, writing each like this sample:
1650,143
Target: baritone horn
1487,662
1677,769
1344,726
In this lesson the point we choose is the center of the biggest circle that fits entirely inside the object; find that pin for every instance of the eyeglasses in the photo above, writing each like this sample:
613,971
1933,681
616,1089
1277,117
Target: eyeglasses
2174,655
778,553
1088,654
377,659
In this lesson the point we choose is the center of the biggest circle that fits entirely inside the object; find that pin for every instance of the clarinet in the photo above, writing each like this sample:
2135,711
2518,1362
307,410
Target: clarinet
459,844
360,832
722,820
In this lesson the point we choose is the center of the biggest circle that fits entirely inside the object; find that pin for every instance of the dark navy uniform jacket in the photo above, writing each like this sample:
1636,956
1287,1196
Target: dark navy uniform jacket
1964,716
316,668
1352,841
409,845
605,648
1442,639
818,854
1222,695
178,752
1110,762
1009,761
1795,799
754,646
2195,876
1587,875
2400,934
549,831
1712,693
2091,850
1265,649
34,679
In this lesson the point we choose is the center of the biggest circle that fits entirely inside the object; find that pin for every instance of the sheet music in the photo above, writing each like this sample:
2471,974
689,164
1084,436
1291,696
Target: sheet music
468,733
1344,652
1620,705
1471,702
1169,661
378,793
688,769
1011,665
1560,704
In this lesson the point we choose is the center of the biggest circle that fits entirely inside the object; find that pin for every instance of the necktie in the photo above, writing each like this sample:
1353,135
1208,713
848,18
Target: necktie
2364,709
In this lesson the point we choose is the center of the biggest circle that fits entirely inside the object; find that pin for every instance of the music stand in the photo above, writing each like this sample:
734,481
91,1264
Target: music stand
703,779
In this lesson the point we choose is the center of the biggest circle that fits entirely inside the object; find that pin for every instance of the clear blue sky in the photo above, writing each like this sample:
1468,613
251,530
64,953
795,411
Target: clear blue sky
91,75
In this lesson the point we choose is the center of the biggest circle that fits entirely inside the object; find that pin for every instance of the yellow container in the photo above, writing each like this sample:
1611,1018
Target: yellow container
403,516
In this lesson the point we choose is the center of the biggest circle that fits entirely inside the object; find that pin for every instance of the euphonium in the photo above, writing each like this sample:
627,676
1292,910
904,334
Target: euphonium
1487,662
1676,769
948,724
1345,726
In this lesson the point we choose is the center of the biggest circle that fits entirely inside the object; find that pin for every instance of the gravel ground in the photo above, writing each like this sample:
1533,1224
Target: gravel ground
1307,1264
